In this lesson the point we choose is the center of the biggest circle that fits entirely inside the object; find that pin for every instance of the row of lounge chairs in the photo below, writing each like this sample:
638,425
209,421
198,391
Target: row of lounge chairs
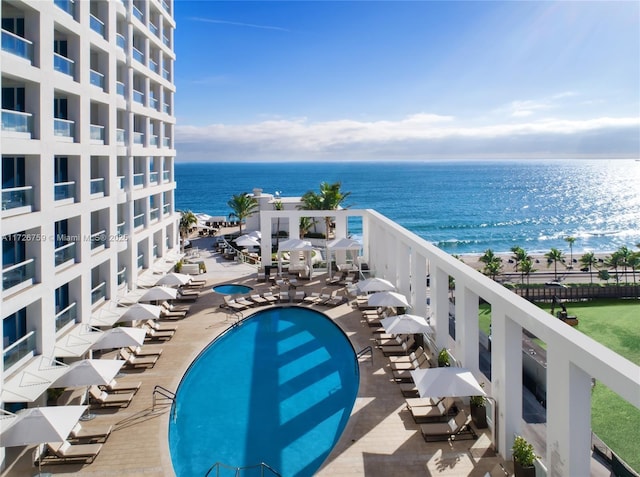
284,296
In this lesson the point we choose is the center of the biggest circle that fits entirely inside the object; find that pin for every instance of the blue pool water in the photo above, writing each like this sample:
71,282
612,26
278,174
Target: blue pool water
232,289
278,388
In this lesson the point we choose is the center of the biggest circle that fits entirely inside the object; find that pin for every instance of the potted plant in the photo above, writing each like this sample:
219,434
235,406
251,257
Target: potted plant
523,458
443,358
478,406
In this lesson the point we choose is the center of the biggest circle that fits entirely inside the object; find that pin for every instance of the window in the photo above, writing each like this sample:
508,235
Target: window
14,25
13,98
14,327
60,110
60,47
61,229
12,172
62,297
13,250
60,173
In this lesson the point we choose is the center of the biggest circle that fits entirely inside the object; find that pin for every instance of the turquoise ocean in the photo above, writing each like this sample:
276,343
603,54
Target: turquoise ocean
463,207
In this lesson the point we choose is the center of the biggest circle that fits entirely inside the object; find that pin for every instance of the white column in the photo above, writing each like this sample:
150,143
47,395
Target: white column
265,243
466,326
419,283
440,305
568,419
402,265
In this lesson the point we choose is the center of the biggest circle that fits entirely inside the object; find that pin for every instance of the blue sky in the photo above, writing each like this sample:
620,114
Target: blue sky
304,80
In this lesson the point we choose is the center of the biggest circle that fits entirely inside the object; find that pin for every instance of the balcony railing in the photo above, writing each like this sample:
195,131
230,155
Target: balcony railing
68,6
19,273
153,102
64,190
140,261
65,316
138,55
97,79
96,25
166,209
121,136
166,175
64,128
138,179
138,96
166,107
121,41
153,177
121,182
153,29
17,45
121,88
166,141
121,229
17,121
18,350
138,220
97,185
98,292
153,66
65,253
154,214
15,197
122,276
64,65
166,40
166,74
154,250
153,140
165,5
138,137
98,239
97,132
138,13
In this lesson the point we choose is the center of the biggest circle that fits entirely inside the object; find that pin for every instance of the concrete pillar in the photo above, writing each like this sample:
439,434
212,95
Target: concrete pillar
440,305
467,326
418,284
402,264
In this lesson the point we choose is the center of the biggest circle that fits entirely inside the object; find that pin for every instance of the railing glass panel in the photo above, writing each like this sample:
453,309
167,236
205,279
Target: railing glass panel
98,239
165,40
17,121
166,108
138,179
96,25
140,261
138,55
154,214
121,136
120,88
98,292
138,137
166,175
166,141
121,182
18,273
65,316
153,140
122,276
97,79
64,190
121,229
17,197
17,45
97,132
68,6
65,253
153,102
154,249
165,74
138,220
166,209
153,29
153,66
64,127
138,13
64,65
97,185
18,350
165,5
121,41
153,177
138,96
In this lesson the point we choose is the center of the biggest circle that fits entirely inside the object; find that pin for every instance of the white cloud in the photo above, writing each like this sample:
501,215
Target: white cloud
416,135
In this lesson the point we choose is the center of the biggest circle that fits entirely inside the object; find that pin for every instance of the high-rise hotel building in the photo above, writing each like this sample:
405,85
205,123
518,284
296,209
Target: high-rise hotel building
87,172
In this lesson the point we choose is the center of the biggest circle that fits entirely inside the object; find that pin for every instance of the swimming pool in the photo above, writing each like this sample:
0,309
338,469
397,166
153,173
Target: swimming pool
277,388
232,289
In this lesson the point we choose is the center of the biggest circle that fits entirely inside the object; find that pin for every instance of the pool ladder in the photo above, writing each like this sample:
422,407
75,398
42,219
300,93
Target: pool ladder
163,393
265,470
363,351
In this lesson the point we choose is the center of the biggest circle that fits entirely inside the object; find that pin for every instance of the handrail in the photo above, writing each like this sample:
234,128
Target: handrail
64,183
18,265
162,391
16,189
363,351
17,343
18,37
238,470
18,113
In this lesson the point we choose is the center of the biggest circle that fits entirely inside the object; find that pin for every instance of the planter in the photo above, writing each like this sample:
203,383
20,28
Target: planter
521,471
479,416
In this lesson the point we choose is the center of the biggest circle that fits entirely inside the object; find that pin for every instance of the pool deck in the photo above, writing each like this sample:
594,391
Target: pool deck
381,438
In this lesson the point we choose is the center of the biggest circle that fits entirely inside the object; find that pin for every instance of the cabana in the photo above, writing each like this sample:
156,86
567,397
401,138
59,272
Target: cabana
300,253
340,246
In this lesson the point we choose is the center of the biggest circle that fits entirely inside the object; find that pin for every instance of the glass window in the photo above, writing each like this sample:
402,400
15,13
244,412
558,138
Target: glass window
13,250
14,327
12,172
62,297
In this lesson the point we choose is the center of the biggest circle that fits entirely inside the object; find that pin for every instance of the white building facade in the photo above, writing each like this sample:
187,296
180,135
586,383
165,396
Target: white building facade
87,166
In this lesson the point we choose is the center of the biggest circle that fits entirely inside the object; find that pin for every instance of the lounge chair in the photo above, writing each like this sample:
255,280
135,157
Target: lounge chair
257,299
188,292
168,313
270,297
119,387
103,399
135,362
404,375
284,296
335,299
140,352
161,327
311,299
65,451
243,301
415,364
181,298
299,296
153,335
407,359
92,434
404,348
175,306
393,341
432,413
457,427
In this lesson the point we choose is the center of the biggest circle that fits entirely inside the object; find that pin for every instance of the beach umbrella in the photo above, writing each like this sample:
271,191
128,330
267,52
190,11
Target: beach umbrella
388,298
446,382
406,324
255,234
375,285
159,294
89,372
173,279
141,312
120,337
247,241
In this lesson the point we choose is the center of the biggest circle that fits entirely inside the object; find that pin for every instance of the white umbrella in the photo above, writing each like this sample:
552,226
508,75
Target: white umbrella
406,324
375,285
159,294
388,298
37,425
255,234
140,312
120,337
446,382
173,279
247,241
89,372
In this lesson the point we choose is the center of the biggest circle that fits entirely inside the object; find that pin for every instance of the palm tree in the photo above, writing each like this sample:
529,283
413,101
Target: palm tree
570,240
277,205
614,261
554,256
329,198
526,269
634,263
305,224
493,264
625,255
589,260
187,220
242,206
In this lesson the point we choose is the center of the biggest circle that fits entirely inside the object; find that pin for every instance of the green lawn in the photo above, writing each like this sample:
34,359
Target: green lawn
615,324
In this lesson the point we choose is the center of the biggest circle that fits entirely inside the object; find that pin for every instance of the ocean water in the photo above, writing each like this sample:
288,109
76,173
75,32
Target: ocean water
462,207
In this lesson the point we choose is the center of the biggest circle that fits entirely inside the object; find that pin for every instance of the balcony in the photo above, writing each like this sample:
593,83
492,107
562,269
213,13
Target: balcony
122,276
97,79
165,5
166,209
97,186
137,13
166,107
166,74
96,132
98,293
121,229
17,198
138,179
13,353
64,128
154,214
166,40
64,65
65,253
153,66
138,55
166,142
166,175
153,29
121,41
121,89
64,190
98,240
21,274
121,182
16,45
68,6
138,220
97,25
153,177
140,261
121,137
153,140
154,250
138,96
153,102
68,315
138,137
17,122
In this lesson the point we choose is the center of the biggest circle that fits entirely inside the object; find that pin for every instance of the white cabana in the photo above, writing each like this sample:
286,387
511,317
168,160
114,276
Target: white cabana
297,248
345,245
